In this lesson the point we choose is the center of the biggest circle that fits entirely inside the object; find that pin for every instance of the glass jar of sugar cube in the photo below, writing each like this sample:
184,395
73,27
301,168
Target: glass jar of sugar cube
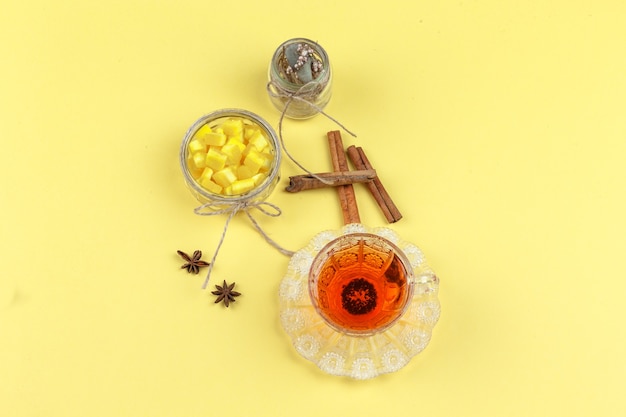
230,156
300,78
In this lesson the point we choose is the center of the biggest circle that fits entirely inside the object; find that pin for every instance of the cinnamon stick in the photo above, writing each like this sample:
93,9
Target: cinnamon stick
378,191
347,198
332,179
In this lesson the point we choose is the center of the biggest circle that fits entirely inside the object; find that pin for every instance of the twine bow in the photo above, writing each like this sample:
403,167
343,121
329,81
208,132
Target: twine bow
233,208
306,93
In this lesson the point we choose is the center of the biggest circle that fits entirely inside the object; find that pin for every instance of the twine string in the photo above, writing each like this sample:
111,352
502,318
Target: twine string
306,94
231,209
262,232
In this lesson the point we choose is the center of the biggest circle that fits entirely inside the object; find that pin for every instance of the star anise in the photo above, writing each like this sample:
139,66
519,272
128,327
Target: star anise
194,263
225,293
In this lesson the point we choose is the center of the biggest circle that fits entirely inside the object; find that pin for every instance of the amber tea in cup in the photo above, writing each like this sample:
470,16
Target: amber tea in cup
360,283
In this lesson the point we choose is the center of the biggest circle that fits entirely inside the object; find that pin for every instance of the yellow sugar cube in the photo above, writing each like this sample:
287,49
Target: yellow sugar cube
267,161
190,163
259,178
225,177
249,130
244,172
233,127
204,129
242,186
249,147
195,145
254,161
207,173
199,160
236,142
211,186
215,159
214,139
238,136
195,172
259,141
232,152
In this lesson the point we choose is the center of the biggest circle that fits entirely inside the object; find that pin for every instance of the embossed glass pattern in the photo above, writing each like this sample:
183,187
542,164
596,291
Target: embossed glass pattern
361,353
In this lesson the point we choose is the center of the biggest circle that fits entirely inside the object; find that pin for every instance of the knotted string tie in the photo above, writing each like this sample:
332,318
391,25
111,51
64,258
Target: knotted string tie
231,209
306,94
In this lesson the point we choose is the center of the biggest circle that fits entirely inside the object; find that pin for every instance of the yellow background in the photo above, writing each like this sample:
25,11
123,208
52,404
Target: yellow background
498,127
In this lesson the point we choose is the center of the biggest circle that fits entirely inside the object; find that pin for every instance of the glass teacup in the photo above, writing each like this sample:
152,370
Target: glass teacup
361,283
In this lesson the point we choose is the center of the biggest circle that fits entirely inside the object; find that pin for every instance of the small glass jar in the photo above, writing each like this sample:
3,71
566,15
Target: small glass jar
195,172
300,67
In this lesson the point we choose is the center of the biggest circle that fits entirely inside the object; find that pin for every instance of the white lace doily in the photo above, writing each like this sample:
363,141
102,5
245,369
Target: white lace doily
358,357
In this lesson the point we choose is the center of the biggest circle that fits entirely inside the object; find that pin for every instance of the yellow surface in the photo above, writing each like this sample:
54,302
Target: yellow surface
498,128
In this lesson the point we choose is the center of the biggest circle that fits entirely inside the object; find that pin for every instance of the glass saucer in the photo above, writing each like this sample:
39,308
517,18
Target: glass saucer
358,356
